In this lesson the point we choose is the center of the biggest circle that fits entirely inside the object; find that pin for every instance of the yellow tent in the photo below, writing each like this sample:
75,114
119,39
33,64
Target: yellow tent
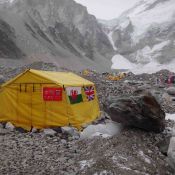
43,99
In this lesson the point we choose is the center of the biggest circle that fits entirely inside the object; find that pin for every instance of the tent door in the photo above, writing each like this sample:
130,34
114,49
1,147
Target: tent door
24,102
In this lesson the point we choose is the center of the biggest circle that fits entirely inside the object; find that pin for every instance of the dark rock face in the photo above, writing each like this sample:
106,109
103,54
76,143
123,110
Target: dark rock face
141,110
58,28
8,47
57,31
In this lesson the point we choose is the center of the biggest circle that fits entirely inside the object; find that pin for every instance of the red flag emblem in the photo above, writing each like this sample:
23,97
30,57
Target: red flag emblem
90,92
52,94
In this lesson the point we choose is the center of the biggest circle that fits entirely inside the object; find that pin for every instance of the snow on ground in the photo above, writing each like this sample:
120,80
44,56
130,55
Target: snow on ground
153,67
111,40
125,24
144,157
170,117
102,173
86,163
104,130
120,62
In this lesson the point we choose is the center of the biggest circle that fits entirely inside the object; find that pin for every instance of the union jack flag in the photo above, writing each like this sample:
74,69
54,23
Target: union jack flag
90,92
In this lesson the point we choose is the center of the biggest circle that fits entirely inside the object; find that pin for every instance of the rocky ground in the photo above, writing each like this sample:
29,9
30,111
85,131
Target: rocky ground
132,152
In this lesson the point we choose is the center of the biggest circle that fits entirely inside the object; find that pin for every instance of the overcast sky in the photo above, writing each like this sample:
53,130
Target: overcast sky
107,9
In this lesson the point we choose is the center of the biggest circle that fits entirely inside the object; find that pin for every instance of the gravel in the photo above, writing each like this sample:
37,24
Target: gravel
130,153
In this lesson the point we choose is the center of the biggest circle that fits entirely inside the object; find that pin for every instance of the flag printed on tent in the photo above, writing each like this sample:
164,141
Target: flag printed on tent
52,94
90,92
74,94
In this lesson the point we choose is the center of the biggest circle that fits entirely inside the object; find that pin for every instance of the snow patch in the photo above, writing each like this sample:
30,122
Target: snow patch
124,167
117,158
120,62
104,130
144,157
153,67
123,24
86,163
111,40
102,173
170,117
97,134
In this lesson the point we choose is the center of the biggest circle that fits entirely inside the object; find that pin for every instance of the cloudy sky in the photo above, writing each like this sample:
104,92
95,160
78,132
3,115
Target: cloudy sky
107,9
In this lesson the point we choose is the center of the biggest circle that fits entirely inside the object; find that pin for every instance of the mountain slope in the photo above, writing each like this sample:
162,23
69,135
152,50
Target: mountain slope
146,32
7,42
59,30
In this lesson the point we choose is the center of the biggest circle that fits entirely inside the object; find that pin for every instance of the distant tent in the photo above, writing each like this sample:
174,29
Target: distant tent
43,99
170,79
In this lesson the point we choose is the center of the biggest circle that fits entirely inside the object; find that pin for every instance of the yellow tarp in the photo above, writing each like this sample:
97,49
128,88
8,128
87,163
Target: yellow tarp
116,77
21,101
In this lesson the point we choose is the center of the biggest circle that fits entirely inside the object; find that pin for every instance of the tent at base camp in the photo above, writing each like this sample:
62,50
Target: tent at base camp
43,99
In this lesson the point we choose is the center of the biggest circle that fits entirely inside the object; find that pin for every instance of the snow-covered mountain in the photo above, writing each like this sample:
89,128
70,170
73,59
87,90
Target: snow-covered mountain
53,30
108,25
146,32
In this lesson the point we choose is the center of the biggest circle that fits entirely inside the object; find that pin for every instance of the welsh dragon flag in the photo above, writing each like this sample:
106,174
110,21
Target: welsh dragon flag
74,94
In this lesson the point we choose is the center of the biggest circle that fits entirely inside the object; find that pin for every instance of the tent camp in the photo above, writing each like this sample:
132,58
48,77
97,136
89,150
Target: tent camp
43,99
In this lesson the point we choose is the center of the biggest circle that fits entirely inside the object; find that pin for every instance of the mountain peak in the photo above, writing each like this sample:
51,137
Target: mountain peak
145,33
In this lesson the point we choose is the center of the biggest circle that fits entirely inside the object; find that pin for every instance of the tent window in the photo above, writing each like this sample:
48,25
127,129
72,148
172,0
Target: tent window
30,88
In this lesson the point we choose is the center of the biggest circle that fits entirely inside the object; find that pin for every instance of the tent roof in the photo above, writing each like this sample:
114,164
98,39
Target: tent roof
60,78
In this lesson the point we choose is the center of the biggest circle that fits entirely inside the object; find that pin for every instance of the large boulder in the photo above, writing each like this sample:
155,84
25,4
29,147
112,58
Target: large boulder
49,132
70,131
171,90
140,110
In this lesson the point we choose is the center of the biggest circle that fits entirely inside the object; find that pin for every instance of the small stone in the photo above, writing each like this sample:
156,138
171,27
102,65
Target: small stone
70,131
49,132
76,137
63,141
9,126
1,125
34,130
166,97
